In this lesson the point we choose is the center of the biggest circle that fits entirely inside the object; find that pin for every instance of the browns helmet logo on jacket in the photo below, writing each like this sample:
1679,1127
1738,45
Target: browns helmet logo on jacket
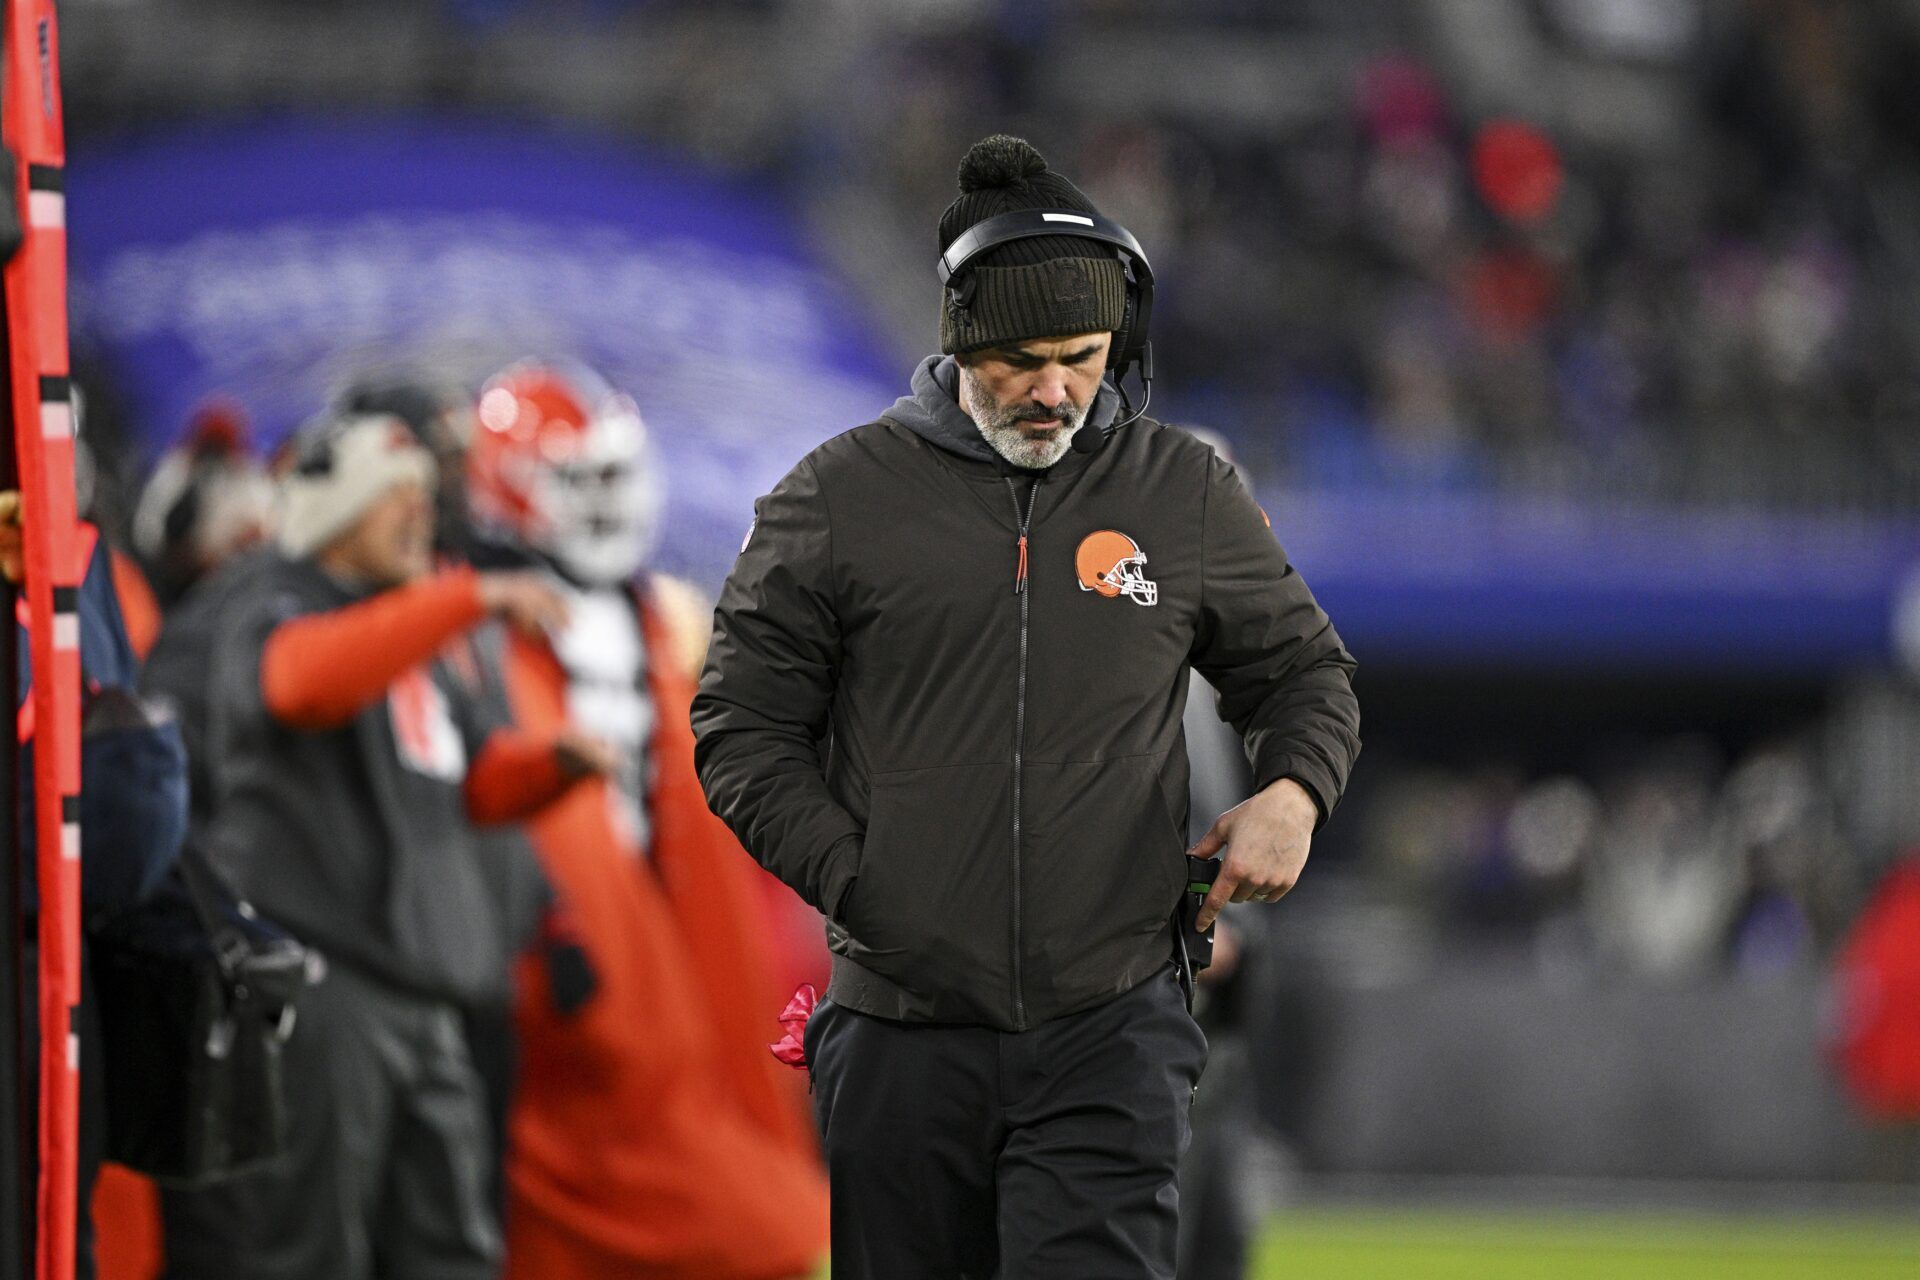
1111,564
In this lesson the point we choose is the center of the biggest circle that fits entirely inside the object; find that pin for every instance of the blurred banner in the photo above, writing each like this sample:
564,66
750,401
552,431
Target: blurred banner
277,261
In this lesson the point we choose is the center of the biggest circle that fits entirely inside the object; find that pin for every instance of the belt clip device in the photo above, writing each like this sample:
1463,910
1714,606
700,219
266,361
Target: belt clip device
1195,944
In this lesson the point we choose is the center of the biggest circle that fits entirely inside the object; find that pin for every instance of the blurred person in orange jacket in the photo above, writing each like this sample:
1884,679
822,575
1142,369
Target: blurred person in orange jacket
652,1134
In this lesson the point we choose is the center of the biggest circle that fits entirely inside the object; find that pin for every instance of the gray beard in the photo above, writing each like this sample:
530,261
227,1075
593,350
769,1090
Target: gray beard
1001,428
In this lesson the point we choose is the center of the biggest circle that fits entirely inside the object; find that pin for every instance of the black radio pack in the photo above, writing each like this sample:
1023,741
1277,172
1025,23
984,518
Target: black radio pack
1193,945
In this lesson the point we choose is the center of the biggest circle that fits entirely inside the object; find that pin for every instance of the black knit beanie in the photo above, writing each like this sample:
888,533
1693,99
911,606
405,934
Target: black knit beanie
1042,287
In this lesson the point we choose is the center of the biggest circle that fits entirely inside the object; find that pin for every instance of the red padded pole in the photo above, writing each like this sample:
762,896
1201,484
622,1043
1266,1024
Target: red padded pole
36,301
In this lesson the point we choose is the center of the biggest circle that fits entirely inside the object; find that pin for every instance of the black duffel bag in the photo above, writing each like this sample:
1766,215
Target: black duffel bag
196,996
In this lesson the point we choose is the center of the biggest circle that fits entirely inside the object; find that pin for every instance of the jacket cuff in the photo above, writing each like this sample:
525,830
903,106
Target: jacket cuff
1308,772
837,873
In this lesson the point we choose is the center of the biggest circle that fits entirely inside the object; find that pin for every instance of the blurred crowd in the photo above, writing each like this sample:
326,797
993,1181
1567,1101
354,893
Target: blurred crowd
1662,857
1679,864
1663,249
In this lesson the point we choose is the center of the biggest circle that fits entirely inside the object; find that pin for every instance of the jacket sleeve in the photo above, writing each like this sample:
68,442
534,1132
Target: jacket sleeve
1285,680
766,695
320,670
513,776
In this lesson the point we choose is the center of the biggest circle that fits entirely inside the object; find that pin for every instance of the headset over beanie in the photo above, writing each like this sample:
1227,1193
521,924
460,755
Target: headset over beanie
1040,287
344,466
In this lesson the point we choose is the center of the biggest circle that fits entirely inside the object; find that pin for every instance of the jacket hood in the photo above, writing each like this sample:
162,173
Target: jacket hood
932,411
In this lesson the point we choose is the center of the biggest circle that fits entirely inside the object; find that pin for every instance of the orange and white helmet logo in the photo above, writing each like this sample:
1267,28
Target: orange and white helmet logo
1111,564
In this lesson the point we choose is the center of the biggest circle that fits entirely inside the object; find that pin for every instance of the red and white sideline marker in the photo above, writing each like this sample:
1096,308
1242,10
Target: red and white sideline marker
36,301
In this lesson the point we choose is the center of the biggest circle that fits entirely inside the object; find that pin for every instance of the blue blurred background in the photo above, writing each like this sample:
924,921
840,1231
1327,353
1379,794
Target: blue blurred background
1571,345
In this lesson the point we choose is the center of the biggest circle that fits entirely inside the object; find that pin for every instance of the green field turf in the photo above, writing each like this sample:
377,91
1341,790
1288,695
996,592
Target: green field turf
1357,1244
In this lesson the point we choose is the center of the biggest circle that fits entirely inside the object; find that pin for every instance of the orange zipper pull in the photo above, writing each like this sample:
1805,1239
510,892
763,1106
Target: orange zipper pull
1020,576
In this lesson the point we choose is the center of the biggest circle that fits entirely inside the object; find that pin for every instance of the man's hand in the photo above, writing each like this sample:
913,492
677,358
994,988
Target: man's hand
526,600
1266,840
581,753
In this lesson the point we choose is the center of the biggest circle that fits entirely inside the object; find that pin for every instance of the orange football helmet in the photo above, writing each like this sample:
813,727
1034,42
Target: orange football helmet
560,464
1110,563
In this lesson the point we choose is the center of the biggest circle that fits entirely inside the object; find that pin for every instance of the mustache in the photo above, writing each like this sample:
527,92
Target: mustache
1063,412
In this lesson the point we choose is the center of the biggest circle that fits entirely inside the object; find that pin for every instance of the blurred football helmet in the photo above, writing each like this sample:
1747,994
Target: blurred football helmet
561,464
1111,564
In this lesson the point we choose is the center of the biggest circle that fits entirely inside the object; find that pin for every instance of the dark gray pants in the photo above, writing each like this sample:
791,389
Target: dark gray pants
387,1172
960,1153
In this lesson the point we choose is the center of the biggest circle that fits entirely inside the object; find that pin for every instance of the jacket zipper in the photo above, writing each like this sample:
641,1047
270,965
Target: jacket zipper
1020,734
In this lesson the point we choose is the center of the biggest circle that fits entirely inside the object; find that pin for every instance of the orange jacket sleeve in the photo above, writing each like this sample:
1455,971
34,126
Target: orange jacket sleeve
138,608
514,775
321,670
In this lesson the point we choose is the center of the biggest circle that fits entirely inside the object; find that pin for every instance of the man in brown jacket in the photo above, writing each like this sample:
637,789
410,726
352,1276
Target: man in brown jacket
943,702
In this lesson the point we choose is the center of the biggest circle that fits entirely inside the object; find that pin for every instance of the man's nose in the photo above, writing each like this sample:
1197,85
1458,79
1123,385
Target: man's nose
1050,387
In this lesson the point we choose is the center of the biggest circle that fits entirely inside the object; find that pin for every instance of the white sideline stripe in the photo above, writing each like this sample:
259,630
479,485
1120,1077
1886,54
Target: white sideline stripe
1066,217
56,420
66,631
70,841
73,1052
47,209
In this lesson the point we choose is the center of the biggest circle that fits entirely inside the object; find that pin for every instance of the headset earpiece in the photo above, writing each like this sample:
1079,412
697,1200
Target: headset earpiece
1123,335
960,295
